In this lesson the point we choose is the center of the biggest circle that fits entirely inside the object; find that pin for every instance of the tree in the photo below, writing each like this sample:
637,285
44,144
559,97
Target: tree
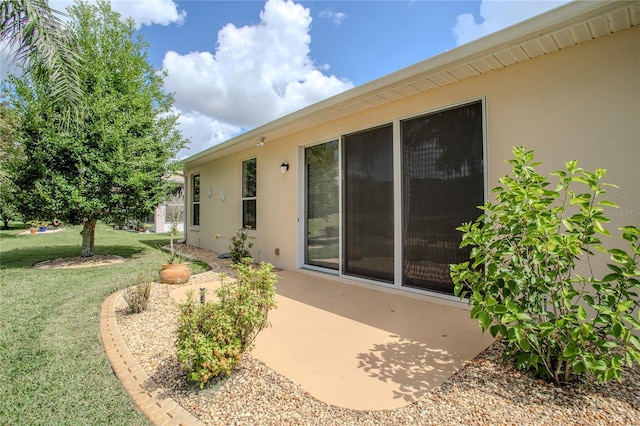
42,45
111,165
10,152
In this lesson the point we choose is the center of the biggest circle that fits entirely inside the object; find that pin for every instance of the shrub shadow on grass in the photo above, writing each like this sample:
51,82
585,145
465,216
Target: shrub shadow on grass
156,242
7,234
26,257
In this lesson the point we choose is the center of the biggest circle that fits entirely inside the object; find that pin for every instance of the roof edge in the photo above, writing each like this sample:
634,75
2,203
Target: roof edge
550,21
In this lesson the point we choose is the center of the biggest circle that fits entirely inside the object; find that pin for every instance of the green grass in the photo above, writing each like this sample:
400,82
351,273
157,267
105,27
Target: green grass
52,368
316,227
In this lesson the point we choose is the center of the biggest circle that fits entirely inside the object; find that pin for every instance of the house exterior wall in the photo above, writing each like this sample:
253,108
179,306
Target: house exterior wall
579,103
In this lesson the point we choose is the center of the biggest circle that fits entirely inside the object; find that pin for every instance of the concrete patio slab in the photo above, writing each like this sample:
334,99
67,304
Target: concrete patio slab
358,347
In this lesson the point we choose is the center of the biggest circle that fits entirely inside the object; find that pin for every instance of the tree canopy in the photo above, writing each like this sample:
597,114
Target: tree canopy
112,164
10,152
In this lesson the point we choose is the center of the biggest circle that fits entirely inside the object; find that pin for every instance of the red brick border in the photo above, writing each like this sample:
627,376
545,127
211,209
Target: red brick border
148,396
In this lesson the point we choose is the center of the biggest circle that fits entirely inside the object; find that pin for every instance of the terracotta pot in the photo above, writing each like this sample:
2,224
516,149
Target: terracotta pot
33,230
175,273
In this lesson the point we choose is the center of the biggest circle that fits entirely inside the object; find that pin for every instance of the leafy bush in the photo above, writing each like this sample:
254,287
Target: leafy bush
138,293
239,248
212,337
523,280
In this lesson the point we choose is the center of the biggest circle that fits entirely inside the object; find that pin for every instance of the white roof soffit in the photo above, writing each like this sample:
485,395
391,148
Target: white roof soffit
565,26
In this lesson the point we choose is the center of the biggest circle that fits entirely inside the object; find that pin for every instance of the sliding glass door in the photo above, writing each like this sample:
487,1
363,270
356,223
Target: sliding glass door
442,185
368,204
322,205
363,220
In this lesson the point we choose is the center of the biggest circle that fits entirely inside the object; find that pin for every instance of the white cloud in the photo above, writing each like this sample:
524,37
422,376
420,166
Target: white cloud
256,74
333,16
205,130
150,12
7,64
496,15
143,12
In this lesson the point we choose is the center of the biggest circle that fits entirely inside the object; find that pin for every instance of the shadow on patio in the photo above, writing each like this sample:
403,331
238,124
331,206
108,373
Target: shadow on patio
364,349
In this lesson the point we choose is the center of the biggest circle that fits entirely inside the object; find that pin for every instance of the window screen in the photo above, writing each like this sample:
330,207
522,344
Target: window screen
368,204
442,185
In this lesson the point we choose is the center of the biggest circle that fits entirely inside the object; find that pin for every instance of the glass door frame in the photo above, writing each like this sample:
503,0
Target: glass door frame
397,199
302,208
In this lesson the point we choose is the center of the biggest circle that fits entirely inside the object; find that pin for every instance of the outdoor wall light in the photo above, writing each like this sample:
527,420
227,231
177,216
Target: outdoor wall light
284,167
209,192
261,143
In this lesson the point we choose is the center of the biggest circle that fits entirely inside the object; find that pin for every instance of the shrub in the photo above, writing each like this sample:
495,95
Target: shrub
138,293
239,248
212,337
523,279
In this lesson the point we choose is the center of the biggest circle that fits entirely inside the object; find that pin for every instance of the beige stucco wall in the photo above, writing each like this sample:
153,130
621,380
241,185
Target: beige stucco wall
580,103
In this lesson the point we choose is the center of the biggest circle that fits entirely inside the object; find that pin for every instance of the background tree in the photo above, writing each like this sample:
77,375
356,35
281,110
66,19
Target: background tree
42,45
112,164
10,152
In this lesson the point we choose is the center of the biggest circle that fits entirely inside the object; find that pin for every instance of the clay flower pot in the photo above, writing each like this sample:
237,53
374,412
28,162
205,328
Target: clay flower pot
175,273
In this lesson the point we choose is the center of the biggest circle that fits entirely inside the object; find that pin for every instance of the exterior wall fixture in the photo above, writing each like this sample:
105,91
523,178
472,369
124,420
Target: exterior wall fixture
261,142
284,167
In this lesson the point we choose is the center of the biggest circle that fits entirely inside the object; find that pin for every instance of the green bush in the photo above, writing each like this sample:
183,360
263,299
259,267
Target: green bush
523,280
239,248
212,337
138,293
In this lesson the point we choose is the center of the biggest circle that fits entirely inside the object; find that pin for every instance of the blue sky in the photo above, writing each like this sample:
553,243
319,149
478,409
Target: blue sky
358,40
234,65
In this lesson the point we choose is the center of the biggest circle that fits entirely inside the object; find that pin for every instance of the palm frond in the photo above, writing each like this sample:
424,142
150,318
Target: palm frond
37,35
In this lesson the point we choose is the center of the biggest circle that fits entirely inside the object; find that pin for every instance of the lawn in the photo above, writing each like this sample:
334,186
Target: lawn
52,368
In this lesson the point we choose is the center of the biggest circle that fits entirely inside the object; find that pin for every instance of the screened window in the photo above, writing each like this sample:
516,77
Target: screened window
322,205
195,201
442,183
368,204
249,193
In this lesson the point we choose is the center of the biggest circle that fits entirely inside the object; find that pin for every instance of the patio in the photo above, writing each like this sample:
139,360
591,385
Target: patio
361,348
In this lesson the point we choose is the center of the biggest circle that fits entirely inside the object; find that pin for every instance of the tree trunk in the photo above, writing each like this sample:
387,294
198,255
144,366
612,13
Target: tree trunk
88,237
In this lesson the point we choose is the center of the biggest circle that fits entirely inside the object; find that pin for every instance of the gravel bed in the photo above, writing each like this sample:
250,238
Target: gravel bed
484,392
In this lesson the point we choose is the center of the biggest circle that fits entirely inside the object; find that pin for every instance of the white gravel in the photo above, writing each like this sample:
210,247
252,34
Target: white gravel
484,392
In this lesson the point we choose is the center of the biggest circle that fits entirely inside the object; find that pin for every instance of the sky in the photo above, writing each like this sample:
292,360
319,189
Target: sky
235,65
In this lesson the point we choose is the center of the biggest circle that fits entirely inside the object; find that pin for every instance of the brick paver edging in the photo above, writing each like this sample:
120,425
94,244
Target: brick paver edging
159,408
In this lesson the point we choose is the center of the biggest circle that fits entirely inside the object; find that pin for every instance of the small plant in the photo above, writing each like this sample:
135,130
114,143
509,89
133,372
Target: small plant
171,255
239,247
138,293
523,283
175,211
212,337
175,216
